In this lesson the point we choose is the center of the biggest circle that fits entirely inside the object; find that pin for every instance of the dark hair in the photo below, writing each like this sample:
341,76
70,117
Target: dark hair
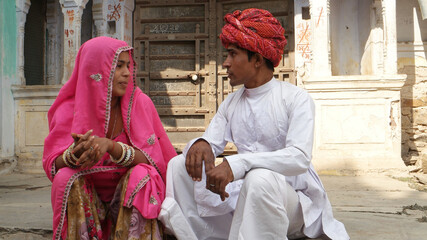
268,62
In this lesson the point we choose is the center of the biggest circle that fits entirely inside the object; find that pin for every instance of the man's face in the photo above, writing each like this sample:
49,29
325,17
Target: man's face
240,70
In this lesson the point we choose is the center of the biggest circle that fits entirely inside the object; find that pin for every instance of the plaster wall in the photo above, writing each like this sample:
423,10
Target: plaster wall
8,63
31,125
357,122
350,28
344,28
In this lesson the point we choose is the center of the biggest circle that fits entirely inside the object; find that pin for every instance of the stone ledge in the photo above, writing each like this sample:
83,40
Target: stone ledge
39,91
354,83
7,165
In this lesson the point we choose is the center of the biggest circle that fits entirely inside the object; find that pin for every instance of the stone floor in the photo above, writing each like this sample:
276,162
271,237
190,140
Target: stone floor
380,205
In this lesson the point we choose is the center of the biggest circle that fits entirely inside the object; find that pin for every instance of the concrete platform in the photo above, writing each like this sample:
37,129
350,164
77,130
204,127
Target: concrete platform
371,205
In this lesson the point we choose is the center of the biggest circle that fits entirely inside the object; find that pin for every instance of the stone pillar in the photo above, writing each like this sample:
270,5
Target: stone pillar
113,18
99,20
125,23
22,7
373,63
303,34
390,40
73,11
321,59
54,43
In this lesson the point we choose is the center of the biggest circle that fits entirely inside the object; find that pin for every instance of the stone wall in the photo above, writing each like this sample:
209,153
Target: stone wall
411,53
414,109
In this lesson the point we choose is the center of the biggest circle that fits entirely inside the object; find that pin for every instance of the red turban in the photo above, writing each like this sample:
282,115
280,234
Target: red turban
255,30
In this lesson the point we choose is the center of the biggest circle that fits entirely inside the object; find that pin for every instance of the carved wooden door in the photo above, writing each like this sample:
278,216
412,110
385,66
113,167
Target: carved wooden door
179,58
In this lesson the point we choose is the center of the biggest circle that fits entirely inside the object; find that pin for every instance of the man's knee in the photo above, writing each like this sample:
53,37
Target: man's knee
260,181
177,165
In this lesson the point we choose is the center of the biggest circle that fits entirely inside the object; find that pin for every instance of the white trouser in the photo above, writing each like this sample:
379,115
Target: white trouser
266,204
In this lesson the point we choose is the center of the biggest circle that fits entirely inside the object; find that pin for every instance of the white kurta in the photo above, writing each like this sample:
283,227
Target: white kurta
272,128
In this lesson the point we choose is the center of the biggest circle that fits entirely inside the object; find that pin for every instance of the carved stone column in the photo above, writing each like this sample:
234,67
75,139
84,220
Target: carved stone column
113,18
73,11
373,63
321,62
390,39
126,23
99,18
303,36
22,7
54,43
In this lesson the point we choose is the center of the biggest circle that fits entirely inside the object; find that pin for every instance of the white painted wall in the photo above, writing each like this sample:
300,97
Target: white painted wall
344,35
350,29
405,21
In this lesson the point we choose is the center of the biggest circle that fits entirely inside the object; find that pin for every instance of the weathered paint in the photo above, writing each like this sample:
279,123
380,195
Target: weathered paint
8,38
114,11
8,62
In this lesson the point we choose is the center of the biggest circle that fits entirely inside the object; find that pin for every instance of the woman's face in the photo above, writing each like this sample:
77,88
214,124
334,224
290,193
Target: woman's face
121,75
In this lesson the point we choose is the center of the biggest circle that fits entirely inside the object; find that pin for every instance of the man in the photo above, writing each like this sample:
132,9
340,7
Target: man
269,190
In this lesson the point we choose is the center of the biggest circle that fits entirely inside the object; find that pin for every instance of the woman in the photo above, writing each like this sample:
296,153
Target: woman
106,152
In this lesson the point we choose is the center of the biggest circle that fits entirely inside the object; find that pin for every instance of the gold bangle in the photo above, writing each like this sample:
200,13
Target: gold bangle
131,158
67,159
71,147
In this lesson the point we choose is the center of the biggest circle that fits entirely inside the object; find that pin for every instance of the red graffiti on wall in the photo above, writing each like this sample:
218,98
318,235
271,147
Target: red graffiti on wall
303,40
114,13
70,14
304,50
303,32
68,32
320,15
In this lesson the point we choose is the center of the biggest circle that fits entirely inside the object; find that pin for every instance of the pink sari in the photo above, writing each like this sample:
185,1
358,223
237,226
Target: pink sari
83,103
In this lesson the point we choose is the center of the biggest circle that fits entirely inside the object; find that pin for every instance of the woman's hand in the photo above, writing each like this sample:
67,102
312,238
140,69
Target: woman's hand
79,140
90,149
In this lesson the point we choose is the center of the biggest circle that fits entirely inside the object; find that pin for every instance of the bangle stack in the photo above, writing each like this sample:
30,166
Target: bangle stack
127,157
69,158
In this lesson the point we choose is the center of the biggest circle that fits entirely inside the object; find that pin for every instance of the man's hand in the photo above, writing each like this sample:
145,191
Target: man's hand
199,152
218,178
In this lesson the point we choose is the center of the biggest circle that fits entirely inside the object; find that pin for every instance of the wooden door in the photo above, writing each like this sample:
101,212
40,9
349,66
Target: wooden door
179,58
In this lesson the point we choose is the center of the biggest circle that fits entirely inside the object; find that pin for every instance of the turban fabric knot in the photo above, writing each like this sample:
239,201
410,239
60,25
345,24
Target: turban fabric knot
255,30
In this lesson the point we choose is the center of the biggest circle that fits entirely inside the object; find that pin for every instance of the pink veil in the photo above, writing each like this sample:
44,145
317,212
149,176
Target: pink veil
83,103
